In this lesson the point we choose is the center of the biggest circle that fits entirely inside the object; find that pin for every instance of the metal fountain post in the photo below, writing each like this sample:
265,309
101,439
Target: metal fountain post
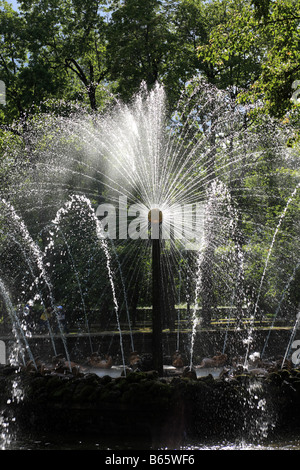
155,217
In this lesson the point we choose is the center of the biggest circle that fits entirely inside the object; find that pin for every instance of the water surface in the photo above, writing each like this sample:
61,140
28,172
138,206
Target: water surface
86,442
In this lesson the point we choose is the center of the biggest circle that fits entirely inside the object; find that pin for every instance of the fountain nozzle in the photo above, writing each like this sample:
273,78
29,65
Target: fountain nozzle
155,216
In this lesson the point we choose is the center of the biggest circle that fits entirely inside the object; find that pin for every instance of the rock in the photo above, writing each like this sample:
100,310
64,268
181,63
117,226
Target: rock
216,361
189,373
8,370
105,379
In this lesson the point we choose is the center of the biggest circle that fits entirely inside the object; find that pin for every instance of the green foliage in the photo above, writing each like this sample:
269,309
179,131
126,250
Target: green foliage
139,42
232,49
70,37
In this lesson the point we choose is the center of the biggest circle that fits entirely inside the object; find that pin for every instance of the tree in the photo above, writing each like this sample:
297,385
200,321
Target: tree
157,41
233,50
13,59
279,22
190,22
256,49
139,41
28,76
70,37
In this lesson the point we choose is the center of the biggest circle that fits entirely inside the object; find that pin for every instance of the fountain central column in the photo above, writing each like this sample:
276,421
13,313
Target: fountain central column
155,217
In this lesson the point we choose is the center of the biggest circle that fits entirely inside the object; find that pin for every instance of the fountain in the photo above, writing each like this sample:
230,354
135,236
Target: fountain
141,210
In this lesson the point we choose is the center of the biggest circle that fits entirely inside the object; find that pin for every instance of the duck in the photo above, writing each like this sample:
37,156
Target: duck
62,366
177,360
96,361
134,359
259,371
36,365
31,367
216,361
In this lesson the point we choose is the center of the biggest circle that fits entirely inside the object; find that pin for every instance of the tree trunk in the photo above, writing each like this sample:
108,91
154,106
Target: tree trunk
92,96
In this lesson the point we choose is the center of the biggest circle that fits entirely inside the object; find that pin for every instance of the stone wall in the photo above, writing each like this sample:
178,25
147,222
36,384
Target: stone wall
142,404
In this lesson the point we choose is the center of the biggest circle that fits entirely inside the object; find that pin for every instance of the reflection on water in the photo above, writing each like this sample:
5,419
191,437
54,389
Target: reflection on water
114,371
74,442
284,444
85,442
